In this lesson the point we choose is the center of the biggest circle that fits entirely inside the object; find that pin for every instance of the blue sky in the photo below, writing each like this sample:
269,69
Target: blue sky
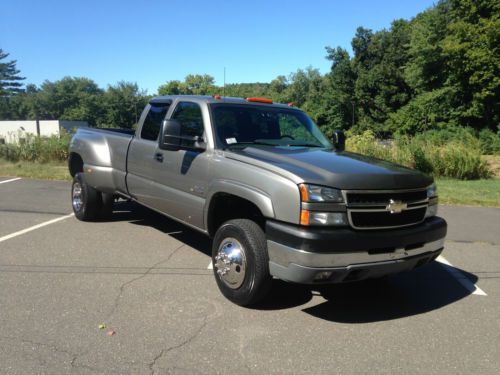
152,41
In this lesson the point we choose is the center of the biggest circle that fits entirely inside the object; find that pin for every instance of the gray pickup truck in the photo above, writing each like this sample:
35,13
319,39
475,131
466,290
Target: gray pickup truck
277,197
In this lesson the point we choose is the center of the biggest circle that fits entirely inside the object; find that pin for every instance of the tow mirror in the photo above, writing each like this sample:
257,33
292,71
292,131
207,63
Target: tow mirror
171,139
338,140
170,136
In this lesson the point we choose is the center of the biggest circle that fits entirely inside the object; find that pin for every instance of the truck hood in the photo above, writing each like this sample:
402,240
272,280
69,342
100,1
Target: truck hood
343,170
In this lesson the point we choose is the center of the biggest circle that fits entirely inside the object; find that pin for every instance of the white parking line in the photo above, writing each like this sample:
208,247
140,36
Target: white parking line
10,180
34,227
466,283
210,266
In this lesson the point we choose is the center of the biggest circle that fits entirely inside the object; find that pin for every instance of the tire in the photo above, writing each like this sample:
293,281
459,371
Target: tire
242,274
107,201
86,200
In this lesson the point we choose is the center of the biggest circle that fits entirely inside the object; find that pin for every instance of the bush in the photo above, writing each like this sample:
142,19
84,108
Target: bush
442,155
489,141
39,149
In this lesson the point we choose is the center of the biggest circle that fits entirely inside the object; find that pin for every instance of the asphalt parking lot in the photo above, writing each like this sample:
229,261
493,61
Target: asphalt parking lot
145,277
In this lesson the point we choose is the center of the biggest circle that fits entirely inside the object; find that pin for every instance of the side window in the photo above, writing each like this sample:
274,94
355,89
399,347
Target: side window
189,116
152,122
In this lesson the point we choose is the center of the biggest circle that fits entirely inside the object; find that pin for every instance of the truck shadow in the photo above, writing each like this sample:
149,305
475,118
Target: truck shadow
422,290
428,288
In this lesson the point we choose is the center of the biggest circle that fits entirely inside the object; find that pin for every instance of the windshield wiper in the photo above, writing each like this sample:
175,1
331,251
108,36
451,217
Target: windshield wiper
304,145
251,143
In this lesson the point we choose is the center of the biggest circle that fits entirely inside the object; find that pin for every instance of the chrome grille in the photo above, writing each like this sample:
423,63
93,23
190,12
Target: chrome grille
371,209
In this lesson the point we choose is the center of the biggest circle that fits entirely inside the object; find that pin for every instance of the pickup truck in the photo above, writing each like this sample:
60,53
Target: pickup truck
277,197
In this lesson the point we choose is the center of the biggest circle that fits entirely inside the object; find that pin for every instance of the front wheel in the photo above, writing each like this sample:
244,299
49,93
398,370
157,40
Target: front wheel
241,262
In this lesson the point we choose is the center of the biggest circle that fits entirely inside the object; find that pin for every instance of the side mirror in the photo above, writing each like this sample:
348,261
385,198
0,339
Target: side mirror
171,139
170,135
338,140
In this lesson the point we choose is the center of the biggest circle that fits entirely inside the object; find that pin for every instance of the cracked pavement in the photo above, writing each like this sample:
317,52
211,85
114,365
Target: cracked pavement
146,278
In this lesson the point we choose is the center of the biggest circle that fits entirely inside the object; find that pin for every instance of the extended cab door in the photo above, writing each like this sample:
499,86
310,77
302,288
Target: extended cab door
142,154
181,178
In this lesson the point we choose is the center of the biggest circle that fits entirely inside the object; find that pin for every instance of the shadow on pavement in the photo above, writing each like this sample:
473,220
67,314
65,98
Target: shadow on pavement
140,215
419,291
422,290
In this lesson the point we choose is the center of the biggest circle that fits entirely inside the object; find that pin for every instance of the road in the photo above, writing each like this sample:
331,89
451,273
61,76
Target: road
145,277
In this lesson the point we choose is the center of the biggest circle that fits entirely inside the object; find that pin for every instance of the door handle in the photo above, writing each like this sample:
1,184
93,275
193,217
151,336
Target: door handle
159,157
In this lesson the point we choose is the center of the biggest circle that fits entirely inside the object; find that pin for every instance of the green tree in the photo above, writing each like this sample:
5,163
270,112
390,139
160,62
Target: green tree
71,98
122,105
172,88
9,76
339,102
471,49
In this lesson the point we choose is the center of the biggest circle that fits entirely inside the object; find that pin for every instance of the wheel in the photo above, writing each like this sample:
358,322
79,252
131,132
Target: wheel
241,262
86,200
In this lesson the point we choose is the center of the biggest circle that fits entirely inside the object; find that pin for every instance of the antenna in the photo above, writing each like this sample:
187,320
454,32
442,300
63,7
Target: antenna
224,89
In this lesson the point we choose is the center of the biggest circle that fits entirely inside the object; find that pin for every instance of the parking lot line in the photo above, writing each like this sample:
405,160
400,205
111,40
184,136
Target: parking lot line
10,180
210,266
460,277
34,227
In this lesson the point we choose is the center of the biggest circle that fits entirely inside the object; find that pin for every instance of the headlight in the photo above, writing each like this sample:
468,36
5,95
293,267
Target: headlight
433,200
431,211
312,213
315,193
431,191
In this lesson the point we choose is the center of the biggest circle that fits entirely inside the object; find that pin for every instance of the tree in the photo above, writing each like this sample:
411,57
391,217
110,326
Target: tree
123,104
471,50
172,88
9,78
339,103
71,98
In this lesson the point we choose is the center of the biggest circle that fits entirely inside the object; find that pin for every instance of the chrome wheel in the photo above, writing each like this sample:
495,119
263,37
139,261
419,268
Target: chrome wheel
230,263
77,196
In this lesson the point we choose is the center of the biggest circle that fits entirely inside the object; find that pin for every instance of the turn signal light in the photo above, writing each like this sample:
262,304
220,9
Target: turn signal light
304,217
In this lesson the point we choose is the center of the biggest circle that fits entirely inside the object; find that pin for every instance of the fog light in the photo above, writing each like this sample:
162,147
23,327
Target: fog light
431,211
323,276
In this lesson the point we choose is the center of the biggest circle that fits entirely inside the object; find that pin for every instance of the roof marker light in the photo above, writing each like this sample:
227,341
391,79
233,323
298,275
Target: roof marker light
260,100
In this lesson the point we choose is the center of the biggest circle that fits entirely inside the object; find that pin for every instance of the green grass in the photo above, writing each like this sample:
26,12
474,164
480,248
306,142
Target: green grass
451,191
44,171
469,193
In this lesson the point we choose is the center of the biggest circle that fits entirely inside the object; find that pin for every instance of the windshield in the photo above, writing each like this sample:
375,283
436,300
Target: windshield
240,125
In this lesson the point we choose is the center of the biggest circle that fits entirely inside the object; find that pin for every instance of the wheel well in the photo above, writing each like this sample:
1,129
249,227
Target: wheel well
75,164
224,207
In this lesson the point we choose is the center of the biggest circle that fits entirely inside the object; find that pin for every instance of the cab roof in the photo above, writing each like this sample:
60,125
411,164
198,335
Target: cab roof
214,100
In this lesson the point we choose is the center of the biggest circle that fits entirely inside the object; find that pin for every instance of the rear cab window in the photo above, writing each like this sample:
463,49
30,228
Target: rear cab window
153,121
190,117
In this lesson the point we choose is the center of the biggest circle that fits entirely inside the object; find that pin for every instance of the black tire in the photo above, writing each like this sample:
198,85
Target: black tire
85,200
107,201
256,280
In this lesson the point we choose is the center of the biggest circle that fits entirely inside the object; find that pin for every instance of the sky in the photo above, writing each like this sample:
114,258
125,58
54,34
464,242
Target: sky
151,42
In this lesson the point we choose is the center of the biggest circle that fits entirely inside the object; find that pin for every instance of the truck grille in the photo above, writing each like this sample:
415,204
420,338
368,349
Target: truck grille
370,199
369,210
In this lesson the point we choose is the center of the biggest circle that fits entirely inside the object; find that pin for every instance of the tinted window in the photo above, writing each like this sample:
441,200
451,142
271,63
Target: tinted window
189,116
153,121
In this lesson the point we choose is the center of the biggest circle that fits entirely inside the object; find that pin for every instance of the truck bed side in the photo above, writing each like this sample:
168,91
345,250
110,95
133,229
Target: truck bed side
104,156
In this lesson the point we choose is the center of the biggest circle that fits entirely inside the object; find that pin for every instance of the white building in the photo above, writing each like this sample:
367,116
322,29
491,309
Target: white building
12,131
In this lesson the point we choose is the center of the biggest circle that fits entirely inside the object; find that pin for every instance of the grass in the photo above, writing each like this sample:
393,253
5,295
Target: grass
43,171
469,193
451,191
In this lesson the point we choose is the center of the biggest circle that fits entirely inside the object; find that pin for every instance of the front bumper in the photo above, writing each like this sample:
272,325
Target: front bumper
318,255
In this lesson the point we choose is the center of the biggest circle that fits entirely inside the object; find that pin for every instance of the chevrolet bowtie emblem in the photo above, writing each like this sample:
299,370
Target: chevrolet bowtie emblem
396,207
